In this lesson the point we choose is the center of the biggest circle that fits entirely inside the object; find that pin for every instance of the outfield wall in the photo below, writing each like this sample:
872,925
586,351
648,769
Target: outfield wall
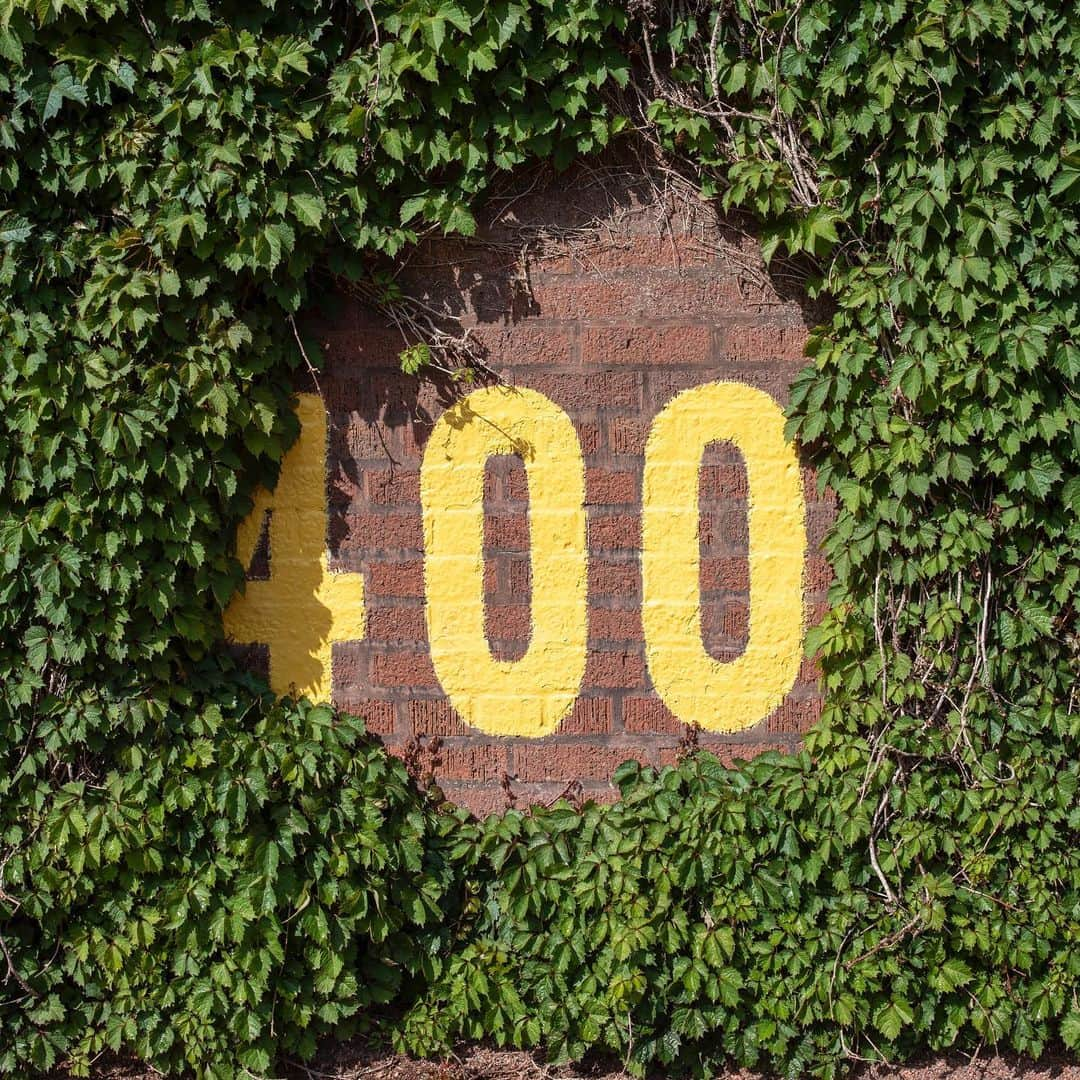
589,553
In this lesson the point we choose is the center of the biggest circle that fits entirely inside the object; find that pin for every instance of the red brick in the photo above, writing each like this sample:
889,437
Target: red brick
720,452
601,389
728,525
508,622
649,715
587,761
444,257
381,532
628,435
435,717
736,620
520,345
819,574
407,669
397,579
725,572
647,292
663,384
368,348
810,670
608,487
637,318
590,716
342,489
712,619
646,346
723,481
506,532
515,484
588,432
604,794
728,753
472,761
349,665
724,626
393,624
480,801
520,578
819,519
397,394
366,440
613,579
651,251
762,342
378,716
795,716
612,624
614,670
393,487
614,531
561,296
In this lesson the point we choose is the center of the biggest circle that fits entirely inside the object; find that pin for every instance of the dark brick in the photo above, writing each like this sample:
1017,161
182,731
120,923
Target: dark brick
614,670
397,579
649,716
645,346
408,670
589,716
588,761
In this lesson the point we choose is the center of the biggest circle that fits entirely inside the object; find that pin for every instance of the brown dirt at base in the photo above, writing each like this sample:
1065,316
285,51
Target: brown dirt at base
355,1061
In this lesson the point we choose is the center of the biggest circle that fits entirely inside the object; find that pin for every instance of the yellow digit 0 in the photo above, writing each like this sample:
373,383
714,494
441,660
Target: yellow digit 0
696,687
528,696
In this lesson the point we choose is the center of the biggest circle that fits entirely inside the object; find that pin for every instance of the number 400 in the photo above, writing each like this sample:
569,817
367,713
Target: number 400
305,607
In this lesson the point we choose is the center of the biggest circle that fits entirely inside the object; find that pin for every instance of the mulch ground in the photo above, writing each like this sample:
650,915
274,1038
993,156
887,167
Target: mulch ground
352,1061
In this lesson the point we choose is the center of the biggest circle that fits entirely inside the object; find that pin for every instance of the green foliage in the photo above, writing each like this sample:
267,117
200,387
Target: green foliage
205,877
246,873
716,916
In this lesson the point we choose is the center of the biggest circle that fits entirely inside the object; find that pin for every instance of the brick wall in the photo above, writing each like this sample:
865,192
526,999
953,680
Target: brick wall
615,313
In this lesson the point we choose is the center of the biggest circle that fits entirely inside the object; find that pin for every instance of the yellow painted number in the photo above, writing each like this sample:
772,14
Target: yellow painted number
531,695
304,608
696,687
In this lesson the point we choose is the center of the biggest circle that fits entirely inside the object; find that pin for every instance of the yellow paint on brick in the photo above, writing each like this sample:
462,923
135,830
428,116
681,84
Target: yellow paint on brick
531,695
696,687
304,607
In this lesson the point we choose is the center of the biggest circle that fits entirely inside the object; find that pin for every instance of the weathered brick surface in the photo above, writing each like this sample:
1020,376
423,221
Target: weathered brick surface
610,330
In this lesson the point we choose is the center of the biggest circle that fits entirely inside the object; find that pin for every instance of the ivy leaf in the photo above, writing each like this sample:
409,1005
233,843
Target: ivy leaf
1070,495
14,229
48,97
1070,1029
893,1017
308,209
459,220
950,974
390,140
36,640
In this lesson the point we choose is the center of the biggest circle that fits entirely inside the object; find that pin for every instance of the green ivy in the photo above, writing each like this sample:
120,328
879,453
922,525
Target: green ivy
208,878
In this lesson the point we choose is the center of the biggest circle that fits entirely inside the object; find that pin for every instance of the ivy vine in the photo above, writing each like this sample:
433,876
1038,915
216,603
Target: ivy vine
195,873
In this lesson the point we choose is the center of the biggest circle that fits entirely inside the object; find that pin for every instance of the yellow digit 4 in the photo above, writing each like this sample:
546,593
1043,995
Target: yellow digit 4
304,607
